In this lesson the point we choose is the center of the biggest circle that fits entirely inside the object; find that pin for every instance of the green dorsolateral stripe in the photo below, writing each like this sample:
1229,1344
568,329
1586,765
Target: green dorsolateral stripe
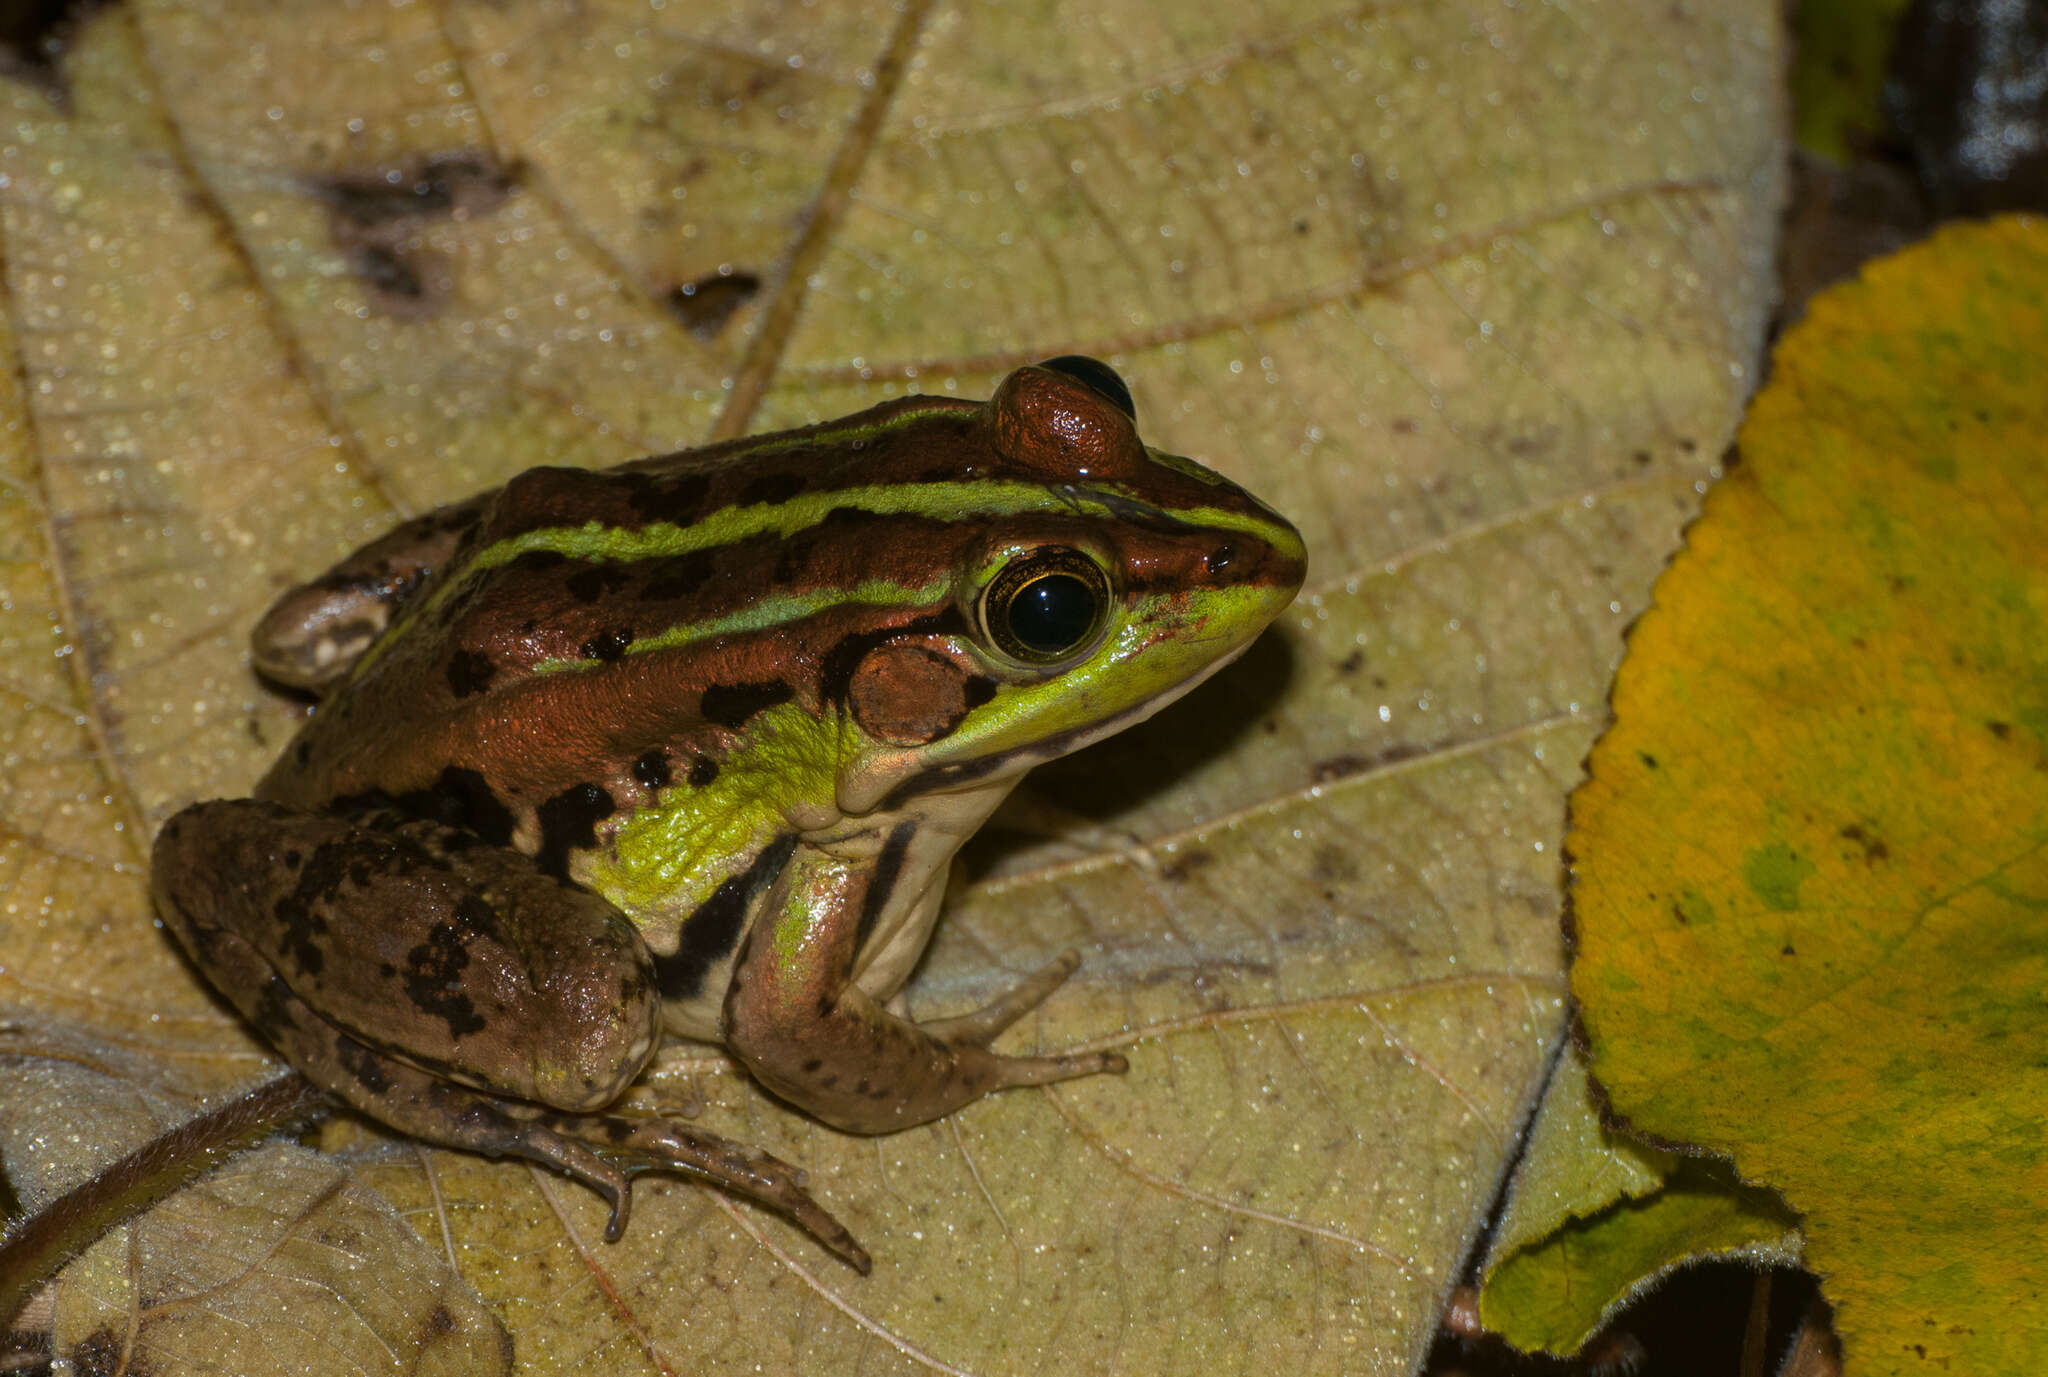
936,501
775,611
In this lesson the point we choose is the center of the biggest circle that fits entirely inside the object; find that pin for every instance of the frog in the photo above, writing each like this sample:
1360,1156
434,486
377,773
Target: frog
685,749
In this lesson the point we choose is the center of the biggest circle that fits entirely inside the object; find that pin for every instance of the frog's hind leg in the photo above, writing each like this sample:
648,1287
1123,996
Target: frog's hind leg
426,952
603,1151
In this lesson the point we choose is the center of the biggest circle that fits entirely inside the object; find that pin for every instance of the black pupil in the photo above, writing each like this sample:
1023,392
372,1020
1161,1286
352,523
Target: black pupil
1052,613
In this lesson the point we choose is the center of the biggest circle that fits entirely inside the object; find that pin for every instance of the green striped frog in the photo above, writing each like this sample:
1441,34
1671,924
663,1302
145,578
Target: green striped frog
686,747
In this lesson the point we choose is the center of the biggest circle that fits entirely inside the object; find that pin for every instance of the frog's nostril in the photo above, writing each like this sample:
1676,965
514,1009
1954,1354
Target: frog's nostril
1219,559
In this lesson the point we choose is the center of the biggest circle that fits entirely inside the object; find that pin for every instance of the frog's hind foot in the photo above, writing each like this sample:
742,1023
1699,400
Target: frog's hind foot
605,1151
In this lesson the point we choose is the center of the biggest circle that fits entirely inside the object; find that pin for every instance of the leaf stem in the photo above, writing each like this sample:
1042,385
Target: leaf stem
37,1245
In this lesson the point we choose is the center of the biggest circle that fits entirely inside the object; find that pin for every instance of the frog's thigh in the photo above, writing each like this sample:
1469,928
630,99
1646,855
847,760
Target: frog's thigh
415,940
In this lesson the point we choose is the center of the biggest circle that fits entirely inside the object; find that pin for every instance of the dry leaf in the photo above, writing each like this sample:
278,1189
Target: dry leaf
1472,293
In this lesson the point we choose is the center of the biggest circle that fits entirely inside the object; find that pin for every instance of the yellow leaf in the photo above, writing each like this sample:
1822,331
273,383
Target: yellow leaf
1812,878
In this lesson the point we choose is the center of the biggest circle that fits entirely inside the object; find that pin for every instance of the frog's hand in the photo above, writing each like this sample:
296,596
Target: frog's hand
314,634
815,1038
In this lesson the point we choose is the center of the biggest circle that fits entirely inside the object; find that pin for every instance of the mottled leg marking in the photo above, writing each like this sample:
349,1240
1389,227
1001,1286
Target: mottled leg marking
603,1151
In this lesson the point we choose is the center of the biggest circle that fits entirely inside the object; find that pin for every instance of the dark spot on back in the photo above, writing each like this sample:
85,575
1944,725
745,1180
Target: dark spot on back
703,770
533,560
569,821
458,797
470,673
792,557
674,498
608,645
651,769
594,581
730,705
772,489
841,520
678,576
704,306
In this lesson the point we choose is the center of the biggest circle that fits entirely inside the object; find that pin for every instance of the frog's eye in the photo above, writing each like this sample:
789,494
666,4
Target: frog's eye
1099,377
1046,605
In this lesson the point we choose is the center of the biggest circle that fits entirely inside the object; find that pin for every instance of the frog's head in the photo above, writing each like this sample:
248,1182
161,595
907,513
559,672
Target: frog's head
1103,580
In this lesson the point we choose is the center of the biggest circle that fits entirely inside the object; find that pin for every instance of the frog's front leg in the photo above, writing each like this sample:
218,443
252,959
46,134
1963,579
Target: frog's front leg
795,1017
448,989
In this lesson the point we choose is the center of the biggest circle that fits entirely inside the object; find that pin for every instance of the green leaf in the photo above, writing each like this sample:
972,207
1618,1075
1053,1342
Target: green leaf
1592,1218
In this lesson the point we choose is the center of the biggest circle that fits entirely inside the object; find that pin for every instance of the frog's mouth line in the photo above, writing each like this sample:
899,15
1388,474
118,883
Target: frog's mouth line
966,775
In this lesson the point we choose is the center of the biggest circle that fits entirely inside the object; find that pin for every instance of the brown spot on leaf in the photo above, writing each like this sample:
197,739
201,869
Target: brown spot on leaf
379,219
101,1354
705,306
1333,866
1874,849
33,35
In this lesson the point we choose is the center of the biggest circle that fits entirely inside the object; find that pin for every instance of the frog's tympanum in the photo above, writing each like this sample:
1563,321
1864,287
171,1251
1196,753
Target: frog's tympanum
686,747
